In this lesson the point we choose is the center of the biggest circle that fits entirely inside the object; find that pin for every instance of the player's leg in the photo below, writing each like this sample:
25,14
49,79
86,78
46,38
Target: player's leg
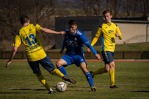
98,71
44,82
48,65
106,68
112,75
109,61
60,66
64,61
36,70
88,76
80,61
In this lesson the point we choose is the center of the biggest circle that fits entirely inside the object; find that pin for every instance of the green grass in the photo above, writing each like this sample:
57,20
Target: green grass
18,81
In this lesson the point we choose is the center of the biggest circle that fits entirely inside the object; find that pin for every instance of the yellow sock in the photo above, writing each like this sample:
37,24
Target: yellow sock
43,81
112,77
57,73
98,71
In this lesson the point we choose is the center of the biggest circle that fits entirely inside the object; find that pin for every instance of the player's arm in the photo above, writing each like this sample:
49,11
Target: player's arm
118,33
93,50
97,35
46,30
12,56
95,39
14,50
86,42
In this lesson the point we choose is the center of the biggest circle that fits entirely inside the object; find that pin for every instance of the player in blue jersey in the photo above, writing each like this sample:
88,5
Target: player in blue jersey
73,42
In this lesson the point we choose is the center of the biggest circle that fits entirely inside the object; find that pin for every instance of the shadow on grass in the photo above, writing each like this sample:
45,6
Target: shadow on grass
25,90
21,92
30,89
12,93
144,91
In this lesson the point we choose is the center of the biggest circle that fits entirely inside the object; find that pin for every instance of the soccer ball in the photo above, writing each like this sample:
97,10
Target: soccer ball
61,86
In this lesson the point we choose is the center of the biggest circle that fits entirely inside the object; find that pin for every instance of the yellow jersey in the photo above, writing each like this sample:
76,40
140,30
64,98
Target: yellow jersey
108,33
29,37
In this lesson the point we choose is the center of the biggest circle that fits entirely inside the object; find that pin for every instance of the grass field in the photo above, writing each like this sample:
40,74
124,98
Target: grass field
18,81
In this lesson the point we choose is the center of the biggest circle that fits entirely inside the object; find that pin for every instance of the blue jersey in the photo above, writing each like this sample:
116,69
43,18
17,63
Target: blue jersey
74,43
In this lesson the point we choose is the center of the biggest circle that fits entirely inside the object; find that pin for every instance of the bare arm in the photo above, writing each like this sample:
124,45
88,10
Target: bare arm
46,30
15,49
118,33
95,39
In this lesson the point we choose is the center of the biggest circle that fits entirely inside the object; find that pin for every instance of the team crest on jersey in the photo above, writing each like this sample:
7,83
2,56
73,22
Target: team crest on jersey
110,31
71,43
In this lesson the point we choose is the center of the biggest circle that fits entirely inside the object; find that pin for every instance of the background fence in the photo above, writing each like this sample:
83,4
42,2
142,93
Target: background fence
56,55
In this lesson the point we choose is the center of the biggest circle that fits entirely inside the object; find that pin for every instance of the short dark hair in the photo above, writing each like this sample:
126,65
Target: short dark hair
24,19
107,11
72,22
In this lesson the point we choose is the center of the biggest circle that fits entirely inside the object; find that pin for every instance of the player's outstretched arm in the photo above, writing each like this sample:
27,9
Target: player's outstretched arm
98,56
95,39
46,30
90,47
12,56
118,33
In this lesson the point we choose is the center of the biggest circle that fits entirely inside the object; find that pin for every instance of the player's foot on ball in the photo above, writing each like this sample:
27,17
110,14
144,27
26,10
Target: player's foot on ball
93,88
92,74
114,86
69,80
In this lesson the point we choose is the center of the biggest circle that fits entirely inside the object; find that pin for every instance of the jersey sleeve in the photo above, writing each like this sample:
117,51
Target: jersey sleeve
119,32
87,43
38,27
97,35
17,41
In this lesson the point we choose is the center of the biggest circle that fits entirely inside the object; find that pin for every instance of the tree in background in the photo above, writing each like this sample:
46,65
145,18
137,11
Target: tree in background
9,20
38,10
120,8
45,11
144,4
91,7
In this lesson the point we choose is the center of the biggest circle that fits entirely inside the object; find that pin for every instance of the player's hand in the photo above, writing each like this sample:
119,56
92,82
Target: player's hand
88,50
97,56
62,32
117,35
8,63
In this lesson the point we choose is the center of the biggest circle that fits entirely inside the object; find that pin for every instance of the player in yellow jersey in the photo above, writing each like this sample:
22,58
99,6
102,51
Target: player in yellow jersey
108,32
28,35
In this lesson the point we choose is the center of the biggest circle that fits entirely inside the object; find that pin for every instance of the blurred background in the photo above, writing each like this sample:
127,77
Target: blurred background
132,16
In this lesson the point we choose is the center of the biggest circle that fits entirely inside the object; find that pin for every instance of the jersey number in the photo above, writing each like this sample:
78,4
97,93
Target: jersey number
31,39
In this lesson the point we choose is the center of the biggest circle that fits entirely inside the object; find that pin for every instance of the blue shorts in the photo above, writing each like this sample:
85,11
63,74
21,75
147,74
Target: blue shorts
45,62
73,59
108,57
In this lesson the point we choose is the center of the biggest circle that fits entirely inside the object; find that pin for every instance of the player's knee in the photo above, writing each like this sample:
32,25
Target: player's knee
112,66
58,64
107,69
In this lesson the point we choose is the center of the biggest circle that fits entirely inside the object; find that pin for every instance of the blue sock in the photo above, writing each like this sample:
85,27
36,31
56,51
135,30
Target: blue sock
89,79
62,69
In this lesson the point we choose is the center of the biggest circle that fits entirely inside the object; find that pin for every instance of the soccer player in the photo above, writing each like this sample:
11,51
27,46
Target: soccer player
108,32
73,42
28,35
